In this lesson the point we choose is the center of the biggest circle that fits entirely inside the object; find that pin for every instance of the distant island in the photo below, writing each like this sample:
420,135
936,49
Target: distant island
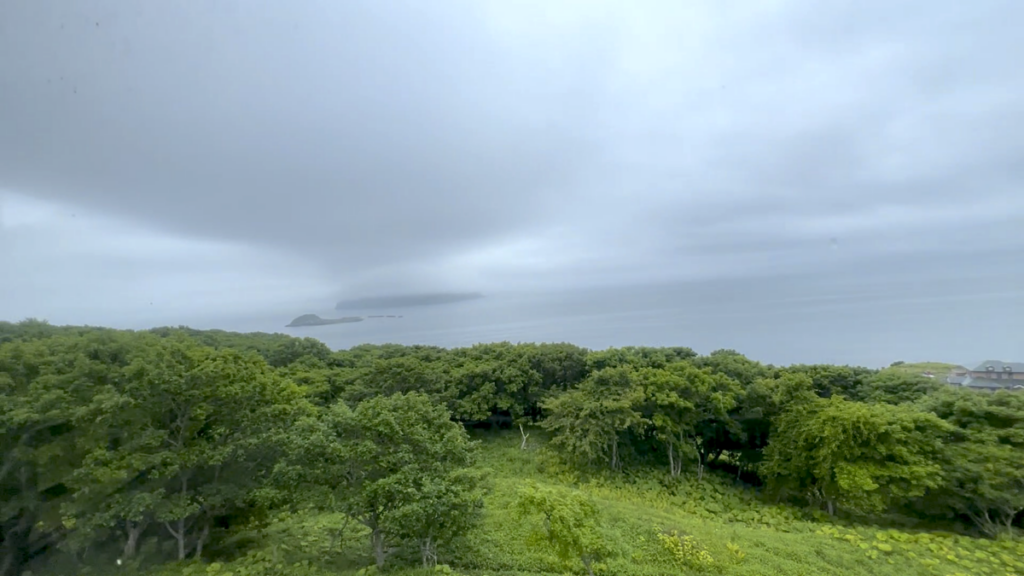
314,320
407,301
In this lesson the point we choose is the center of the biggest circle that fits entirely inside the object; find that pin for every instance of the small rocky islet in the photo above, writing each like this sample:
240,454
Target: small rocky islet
314,320
382,302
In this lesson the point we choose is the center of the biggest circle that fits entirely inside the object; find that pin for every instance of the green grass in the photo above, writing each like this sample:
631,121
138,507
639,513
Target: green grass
742,534
940,369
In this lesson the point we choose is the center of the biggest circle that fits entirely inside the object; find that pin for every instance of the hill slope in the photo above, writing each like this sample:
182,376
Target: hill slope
742,534
939,369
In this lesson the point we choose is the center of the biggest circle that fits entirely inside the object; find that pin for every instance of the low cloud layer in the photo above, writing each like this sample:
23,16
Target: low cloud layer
324,147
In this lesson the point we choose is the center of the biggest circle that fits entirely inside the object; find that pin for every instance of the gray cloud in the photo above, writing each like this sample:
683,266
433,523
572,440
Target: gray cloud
529,144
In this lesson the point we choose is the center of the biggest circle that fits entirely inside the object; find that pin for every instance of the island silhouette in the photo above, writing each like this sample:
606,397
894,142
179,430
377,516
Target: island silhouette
406,301
314,320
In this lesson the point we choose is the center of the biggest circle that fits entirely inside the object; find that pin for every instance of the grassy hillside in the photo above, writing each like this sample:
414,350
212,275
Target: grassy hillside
940,369
742,535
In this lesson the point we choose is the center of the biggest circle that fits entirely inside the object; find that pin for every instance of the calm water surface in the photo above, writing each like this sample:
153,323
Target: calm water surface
955,318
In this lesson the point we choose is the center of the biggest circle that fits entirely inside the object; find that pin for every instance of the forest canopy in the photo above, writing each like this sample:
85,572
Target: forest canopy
180,440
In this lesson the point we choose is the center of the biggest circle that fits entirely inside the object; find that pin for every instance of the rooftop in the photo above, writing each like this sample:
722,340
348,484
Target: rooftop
992,383
999,366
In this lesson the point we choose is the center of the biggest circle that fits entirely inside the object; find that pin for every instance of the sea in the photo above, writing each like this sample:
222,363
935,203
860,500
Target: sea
856,319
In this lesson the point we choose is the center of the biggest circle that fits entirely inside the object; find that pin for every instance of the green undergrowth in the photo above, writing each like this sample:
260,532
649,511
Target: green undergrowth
653,525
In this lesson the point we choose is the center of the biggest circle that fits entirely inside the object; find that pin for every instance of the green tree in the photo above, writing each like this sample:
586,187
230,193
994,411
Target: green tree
400,374
445,507
734,365
862,457
570,523
670,407
397,464
187,446
895,387
830,380
679,402
56,396
637,357
294,349
589,423
322,383
718,429
559,367
984,479
760,408
493,379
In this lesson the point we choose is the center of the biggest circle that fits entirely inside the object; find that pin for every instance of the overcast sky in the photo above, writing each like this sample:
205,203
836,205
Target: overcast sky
160,157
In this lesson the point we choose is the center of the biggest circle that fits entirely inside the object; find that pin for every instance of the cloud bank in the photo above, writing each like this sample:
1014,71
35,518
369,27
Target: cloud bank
274,150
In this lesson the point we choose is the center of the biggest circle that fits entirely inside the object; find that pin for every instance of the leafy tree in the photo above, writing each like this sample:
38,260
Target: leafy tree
266,345
678,402
400,374
718,428
397,464
760,408
294,349
589,423
611,358
366,354
323,384
56,395
863,457
895,387
830,380
185,449
445,508
36,329
670,406
984,479
734,365
494,379
571,523
559,367
637,357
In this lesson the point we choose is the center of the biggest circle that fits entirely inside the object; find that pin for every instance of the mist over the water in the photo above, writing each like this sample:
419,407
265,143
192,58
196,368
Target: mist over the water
962,312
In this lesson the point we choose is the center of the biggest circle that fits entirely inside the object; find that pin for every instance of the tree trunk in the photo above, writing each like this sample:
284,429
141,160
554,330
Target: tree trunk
379,554
179,535
831,507
337,538
525,436
428,552
615,454
700,461
134,531
1008,519
7,565
675,461
20,543
181,539
587,563
202,540
11,562
14,541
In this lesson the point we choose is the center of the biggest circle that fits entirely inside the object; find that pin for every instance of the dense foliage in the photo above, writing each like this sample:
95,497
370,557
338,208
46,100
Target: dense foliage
174,445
